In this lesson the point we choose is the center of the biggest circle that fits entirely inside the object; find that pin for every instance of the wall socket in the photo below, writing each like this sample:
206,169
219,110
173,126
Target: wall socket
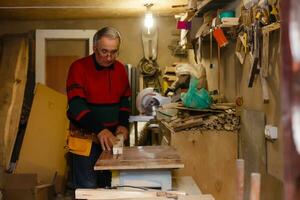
271,132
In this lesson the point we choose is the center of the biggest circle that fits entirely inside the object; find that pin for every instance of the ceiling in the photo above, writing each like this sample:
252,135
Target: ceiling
85,9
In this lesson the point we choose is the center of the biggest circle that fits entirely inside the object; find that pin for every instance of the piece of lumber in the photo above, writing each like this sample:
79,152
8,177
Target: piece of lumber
118,147
240,167
265,54
271,27
264,89
199,110
101,194
123,194
188,124
140,157
13,73
255,186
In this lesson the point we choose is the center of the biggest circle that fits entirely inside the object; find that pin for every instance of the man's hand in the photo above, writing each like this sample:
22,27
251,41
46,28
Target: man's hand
107,139
122,130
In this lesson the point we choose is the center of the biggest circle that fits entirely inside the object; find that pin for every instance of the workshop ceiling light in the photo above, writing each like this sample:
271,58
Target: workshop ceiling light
148,17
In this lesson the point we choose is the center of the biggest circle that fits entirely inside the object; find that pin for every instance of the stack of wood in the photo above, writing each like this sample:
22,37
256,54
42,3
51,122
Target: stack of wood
226,120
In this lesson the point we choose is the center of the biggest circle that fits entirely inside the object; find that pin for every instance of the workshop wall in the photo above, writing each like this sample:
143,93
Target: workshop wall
234,82
131,49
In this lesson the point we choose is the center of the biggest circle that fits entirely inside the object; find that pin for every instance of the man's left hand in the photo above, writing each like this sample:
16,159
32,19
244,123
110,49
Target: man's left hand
122,130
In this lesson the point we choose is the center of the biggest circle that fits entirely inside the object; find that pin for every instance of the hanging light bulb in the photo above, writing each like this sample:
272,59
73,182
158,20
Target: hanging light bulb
148,17
149,20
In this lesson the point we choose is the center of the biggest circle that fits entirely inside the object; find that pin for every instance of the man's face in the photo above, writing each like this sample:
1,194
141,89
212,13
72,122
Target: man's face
106,50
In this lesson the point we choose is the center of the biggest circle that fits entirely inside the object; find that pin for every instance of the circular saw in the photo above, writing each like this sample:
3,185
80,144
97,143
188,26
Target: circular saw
148,99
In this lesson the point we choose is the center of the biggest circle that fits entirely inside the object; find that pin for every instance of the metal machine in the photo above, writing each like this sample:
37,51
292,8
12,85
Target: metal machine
148,100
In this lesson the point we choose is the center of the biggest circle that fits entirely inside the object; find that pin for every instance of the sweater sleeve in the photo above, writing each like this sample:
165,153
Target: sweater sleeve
78,110
124,110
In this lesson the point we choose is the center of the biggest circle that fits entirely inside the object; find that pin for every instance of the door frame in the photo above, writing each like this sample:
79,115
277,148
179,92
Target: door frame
40,46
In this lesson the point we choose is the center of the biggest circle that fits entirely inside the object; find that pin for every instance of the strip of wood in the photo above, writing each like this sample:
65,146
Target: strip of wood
128,194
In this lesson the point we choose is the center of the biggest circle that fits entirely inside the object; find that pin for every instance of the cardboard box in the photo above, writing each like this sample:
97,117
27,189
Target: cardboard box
26,187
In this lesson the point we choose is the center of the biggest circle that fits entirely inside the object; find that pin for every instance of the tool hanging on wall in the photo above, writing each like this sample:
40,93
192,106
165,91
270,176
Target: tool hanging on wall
210,49
254,54
222,42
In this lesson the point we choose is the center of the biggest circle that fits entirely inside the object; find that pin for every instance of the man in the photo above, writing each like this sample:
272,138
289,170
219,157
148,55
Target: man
98,97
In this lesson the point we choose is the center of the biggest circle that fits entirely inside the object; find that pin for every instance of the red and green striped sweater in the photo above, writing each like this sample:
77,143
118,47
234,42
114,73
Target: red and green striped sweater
98,97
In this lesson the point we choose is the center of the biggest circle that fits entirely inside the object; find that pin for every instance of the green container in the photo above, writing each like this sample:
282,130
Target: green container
227,13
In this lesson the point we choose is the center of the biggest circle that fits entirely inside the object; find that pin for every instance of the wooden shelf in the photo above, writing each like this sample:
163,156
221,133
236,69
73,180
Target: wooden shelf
205,6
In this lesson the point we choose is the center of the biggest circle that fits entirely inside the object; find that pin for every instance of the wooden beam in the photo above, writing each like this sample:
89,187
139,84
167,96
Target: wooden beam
100,194
255,186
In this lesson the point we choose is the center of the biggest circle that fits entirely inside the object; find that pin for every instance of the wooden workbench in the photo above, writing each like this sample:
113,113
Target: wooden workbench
142,166
140,157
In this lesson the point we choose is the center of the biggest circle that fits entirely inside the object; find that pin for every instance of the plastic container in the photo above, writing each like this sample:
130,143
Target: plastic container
220,37
227,13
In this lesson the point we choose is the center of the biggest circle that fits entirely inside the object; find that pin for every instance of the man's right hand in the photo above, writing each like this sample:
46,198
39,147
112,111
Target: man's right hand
107,139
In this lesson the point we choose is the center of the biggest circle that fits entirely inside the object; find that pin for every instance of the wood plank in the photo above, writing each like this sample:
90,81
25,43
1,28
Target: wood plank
265,54
135,194
142,157
13,73
271,27
209,157
42,151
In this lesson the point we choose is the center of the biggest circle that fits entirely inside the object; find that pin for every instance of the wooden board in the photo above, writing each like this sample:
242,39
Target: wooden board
42,151
13,73
140,157
209,157
106,194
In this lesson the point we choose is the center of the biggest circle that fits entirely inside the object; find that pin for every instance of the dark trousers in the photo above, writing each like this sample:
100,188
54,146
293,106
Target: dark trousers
82,174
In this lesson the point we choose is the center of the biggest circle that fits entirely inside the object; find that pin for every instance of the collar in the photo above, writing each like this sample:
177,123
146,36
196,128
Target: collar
99,67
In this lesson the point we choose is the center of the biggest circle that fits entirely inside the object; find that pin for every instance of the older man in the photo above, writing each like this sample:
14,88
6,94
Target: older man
98,96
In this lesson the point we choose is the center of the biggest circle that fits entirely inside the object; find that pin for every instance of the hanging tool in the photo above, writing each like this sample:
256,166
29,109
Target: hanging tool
241,47
210,48
273,12
254,54
219,69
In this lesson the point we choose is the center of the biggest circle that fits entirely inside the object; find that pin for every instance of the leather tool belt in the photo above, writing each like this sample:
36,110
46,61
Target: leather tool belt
80,142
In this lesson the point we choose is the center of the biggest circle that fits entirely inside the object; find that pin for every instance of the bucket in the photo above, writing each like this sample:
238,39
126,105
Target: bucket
220,37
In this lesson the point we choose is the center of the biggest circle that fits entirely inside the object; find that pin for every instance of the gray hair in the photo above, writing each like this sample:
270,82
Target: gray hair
107,32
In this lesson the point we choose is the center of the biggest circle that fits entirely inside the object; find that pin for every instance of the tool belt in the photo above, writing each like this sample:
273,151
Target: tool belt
80,142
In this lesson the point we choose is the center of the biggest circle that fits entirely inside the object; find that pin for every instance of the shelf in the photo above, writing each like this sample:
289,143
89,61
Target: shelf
207,5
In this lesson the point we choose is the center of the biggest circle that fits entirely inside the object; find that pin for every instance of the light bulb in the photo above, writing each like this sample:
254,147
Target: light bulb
148,20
